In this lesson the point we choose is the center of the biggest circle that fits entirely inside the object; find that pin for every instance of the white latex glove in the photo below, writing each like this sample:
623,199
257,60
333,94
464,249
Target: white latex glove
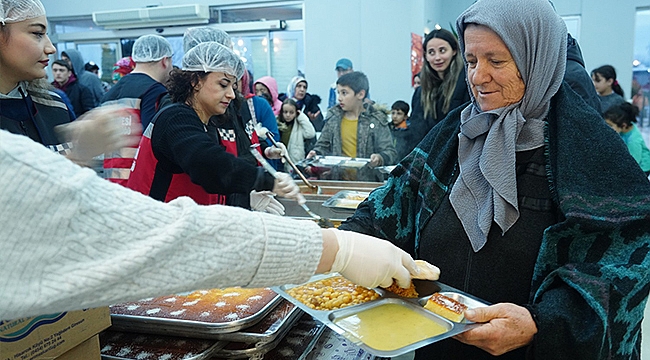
285,186
273,152
261,131
264,201
100,131
372,262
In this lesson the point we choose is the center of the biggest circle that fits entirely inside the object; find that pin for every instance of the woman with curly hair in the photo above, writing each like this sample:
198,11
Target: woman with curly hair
180,153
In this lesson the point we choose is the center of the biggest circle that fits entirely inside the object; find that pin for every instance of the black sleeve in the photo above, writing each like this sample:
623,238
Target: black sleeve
180,137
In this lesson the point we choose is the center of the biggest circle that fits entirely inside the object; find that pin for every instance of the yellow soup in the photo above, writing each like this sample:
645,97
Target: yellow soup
390,326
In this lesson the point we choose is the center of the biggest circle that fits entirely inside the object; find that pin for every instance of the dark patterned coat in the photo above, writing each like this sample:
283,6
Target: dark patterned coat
591,279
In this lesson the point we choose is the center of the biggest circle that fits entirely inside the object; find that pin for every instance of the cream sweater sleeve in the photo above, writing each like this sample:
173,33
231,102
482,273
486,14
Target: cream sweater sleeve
71,240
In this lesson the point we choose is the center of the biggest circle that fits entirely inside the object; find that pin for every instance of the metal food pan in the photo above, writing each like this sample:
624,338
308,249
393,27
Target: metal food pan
268,329
189,328
237,350
346,200
300,340
425,289
129,346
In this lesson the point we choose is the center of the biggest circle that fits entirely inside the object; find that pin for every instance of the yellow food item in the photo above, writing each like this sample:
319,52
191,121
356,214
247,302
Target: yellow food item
332,293
390,326
446,307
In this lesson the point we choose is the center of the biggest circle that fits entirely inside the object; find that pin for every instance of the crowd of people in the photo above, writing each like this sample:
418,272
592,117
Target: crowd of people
496,181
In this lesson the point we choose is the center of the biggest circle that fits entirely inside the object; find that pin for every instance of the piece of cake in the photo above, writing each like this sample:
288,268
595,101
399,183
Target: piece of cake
446,307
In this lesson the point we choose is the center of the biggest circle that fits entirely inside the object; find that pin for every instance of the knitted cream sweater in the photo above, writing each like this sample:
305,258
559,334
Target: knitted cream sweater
71,240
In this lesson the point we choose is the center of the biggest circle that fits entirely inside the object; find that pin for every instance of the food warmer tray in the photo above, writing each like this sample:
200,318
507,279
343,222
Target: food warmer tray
346,200
332,346
424,288
198,325
129,346
268,329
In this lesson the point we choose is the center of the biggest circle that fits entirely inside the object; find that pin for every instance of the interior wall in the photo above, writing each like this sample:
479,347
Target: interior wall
375,34
368,33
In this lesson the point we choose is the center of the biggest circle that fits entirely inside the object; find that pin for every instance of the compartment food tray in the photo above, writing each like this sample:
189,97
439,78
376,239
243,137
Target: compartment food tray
424,288
346,200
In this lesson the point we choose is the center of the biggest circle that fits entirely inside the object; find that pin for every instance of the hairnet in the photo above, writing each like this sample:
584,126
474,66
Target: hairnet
196,35
213,57
12,11
149,48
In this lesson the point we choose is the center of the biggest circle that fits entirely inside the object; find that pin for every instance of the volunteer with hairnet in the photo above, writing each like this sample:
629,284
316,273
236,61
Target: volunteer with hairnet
139,91
180,155
26,106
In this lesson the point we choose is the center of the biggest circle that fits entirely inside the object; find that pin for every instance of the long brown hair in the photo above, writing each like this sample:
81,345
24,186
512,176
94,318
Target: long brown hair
433,87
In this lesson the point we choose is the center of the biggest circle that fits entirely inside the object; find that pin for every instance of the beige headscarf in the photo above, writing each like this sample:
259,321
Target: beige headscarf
486,189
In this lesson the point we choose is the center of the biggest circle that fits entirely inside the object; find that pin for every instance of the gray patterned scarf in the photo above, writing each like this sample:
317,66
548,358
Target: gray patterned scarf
486,189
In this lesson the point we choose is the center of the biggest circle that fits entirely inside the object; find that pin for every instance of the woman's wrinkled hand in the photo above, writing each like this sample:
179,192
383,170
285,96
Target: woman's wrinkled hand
505,327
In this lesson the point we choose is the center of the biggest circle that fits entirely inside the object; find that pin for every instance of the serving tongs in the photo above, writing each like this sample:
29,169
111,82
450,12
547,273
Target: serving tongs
319,191
322,222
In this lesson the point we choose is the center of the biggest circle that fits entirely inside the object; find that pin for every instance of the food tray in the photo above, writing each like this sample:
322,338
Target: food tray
238,350
300,340
412,306
129,346
346,200
267,330
215,312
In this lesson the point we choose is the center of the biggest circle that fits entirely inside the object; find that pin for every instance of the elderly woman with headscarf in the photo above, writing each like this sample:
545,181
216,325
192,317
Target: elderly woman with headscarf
515,209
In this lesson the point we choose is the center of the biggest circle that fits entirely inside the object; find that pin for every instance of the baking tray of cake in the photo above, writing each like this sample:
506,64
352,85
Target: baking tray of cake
240,350
300,340
284,315
377,320
200,314
117,345
347,200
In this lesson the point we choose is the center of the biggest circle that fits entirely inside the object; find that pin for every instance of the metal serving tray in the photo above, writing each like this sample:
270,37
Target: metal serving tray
237,350
300,340
268,329
424,288
346,200
129,346
195,327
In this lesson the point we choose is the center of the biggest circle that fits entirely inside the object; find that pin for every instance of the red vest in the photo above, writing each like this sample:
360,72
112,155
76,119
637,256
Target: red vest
143,170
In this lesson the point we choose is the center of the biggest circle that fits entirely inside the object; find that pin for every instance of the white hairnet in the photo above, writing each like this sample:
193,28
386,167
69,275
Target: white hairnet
12,11
149,48
196,35
213,57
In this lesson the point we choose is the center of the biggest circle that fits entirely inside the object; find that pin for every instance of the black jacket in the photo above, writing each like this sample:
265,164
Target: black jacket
577,77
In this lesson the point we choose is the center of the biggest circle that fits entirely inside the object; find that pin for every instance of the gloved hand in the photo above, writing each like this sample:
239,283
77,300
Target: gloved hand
273,152
99,131
285,186
264,201
372,262
261,131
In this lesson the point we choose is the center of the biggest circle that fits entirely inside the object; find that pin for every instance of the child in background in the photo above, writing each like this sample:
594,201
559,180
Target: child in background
399,128
295,128
607,86
621,118
356,128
